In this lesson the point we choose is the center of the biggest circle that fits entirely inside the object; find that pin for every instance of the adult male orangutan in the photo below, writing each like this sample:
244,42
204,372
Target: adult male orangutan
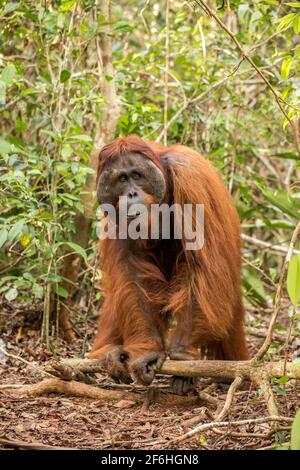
162,299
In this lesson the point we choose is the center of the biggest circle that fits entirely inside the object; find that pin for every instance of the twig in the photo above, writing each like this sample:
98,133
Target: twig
245,435
221,424
204,396
295,131
229,398
266,161
141,14
187,103
286,345
270,281
21,359
262,334
271,447
202,39
265,41
276,248
269,397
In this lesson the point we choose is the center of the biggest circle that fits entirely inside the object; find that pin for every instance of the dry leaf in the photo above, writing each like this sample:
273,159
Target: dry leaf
20,428
124,404
19,334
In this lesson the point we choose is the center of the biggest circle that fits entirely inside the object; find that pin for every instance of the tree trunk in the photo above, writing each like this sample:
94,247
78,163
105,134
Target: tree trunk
105,133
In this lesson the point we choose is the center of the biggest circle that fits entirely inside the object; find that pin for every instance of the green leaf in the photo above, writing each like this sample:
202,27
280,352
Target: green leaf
25,239
254,287
67,5
285,22
296,24
286,67
64,76
8,74
28,276
123,27
62,292
293,4
61,20
74,168
2,93
77,248
52,134
283,380
293,280
38,291
5,147
295,434
3,236
82,138
281,200
9,7
288,155
66,151
16,230
11,294
51,277
87,170
243,9
279,390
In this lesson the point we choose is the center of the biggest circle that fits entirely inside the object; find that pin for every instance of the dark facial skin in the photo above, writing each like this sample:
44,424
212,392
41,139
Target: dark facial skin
133,176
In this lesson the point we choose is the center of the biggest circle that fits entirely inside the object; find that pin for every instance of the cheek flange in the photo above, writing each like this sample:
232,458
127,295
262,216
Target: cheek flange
106,194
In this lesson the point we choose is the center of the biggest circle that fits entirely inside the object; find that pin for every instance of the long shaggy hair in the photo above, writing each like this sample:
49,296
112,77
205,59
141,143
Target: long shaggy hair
203,292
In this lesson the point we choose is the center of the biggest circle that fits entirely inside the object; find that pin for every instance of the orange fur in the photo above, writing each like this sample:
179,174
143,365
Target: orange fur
203,292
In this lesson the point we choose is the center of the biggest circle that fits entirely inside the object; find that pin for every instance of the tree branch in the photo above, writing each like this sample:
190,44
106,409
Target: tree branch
247,370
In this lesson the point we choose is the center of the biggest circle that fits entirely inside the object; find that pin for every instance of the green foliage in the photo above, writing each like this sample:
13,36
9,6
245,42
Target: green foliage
295,434
293,280
50,106
254,287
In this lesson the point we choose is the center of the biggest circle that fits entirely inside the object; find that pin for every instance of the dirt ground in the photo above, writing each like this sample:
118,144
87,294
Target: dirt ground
65,421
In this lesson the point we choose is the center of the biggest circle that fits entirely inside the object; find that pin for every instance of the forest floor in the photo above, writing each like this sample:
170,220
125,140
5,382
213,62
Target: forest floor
80,423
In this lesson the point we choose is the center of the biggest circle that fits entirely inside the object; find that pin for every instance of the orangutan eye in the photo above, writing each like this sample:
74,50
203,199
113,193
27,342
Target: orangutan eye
123,178
136,175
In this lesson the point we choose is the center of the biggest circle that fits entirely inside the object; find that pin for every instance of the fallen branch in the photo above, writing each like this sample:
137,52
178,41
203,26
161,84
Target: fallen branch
221,424
238,371
30,445
78,389
227,370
